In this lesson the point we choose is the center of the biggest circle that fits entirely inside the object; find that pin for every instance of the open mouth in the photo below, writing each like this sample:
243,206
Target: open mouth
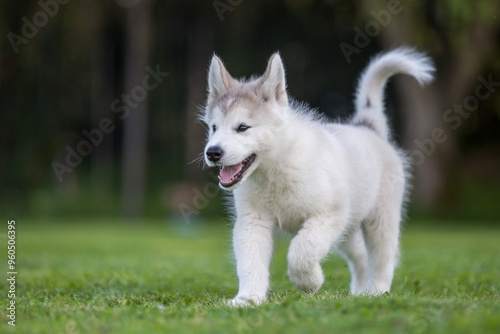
230,175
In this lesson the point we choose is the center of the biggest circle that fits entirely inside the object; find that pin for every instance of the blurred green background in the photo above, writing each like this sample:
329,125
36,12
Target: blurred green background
87,130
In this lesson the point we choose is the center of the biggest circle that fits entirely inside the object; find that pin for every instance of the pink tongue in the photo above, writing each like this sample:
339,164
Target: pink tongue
229,172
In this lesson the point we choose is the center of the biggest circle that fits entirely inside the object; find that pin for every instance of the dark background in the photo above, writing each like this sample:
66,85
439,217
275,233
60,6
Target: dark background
64,65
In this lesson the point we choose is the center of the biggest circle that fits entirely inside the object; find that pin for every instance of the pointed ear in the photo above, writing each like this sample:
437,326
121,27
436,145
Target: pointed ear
274,81
219,79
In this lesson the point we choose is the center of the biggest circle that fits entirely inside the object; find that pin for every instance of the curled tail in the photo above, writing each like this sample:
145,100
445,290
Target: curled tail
369,101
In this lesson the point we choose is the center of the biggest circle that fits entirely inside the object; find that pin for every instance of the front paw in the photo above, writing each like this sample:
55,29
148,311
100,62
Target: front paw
307,281
240,301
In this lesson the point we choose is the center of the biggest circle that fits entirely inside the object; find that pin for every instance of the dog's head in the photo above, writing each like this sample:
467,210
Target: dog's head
242,118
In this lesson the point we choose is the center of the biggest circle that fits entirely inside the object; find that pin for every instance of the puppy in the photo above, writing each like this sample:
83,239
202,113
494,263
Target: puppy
332,185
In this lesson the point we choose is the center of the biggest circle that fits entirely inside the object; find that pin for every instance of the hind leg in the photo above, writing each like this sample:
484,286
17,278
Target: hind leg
353,249
381,232
381,236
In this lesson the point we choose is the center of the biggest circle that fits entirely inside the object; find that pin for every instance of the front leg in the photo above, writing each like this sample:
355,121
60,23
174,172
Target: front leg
311,244
253,248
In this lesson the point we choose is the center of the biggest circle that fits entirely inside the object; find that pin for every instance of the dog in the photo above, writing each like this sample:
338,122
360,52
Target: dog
333,185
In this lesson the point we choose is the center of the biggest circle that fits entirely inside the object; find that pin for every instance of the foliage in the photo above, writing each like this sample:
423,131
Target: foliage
65,78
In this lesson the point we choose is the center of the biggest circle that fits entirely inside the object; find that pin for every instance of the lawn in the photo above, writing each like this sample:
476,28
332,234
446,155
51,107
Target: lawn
160,277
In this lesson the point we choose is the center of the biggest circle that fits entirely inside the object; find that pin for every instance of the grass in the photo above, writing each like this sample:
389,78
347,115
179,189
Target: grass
161,277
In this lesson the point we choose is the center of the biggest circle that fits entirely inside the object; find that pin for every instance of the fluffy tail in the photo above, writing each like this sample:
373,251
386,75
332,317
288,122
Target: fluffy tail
370,93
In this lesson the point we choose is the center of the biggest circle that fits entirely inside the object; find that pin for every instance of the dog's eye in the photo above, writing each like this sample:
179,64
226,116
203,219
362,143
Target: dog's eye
214,128
242,128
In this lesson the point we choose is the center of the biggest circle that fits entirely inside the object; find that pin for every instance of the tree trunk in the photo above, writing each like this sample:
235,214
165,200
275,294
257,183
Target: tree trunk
199,50
431,160
101,161
199,46
135,124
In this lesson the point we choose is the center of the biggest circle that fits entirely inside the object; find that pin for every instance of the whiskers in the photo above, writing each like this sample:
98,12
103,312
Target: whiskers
200,160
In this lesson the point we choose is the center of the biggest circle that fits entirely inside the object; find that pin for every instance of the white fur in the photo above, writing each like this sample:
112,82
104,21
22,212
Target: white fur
332,185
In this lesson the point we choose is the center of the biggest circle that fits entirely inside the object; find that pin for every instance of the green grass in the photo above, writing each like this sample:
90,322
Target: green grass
159,277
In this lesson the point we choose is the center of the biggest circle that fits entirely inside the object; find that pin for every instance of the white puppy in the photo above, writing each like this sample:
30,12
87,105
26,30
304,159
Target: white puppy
332,185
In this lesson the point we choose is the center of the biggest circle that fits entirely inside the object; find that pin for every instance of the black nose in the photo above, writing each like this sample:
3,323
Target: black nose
214,153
